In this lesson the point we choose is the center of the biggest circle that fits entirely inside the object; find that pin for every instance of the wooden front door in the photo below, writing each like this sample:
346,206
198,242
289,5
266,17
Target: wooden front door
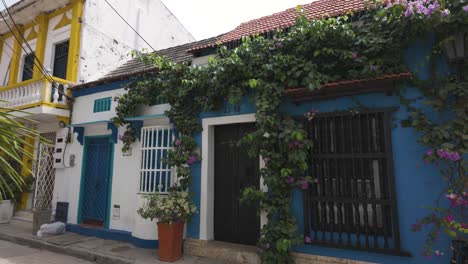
235,170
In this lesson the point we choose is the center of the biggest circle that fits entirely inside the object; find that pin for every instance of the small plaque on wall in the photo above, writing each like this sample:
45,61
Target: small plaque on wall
116,211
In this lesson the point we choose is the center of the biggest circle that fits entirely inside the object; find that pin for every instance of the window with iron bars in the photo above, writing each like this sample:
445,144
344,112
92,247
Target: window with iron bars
155,174
352,204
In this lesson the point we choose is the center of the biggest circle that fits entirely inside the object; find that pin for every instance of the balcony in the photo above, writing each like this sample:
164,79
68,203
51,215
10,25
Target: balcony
36,97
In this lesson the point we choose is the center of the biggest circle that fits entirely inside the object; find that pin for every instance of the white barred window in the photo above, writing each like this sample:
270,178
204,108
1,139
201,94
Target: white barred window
155,174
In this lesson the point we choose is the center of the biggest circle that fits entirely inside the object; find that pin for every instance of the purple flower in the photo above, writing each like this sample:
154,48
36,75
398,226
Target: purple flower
430,152
316,180
448,155
279,45
465,8
307,240
449,219
408,12
191,160
445,13
311,114
454,156
304,185
178,142
291,180
373,67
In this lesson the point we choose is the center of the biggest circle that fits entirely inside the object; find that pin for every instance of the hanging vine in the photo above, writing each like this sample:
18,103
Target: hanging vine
310,54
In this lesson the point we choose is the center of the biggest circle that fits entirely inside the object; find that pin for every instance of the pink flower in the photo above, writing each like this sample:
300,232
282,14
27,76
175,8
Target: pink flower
449,219
316,180
311,114
307,240
178,142
465,8
191,160
304,185
438,253
291,180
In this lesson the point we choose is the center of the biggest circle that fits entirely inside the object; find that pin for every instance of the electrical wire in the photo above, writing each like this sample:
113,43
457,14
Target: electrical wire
128,24
36,59
37,62
13,53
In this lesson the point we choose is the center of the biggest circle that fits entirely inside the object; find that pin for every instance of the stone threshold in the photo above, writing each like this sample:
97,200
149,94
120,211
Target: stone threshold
242,254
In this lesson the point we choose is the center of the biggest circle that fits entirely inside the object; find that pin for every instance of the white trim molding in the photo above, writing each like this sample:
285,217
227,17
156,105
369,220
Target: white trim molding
207,171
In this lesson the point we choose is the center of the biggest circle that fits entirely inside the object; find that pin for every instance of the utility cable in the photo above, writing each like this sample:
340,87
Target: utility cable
37,62
36,59
129,24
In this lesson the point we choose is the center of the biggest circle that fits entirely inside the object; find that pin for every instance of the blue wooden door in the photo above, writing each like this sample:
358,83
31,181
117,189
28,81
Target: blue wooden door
96,180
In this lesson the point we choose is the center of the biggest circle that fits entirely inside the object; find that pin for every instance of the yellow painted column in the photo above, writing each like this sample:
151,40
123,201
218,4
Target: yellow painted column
75,41
27,169
1,49
43,23
16,57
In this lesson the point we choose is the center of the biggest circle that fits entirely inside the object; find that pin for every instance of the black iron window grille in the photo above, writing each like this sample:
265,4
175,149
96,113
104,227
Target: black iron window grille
353,203
28,67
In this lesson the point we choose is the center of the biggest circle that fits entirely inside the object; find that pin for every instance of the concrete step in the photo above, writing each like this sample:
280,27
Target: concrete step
241,254
222,251
23,215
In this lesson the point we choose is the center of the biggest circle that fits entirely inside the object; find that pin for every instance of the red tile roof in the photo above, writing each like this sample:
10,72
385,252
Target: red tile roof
348,87
287,18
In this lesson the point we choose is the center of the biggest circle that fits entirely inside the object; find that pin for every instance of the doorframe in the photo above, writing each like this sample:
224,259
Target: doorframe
109,182
208,175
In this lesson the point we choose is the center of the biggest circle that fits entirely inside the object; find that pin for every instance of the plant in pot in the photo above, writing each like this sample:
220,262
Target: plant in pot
171,210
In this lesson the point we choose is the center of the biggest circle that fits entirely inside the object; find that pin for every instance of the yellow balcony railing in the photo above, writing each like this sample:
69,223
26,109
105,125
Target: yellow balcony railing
33,93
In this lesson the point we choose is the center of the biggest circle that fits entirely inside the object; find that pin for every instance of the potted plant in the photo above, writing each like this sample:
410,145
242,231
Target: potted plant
171,210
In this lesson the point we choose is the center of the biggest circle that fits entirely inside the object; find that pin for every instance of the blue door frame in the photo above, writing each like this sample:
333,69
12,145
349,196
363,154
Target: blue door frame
96,179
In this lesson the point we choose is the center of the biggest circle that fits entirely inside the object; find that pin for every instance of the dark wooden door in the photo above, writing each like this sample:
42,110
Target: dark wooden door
235,170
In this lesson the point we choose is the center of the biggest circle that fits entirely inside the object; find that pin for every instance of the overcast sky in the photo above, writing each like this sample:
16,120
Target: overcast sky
208,18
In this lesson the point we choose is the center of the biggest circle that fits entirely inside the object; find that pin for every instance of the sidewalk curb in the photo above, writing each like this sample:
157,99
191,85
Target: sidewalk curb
69,250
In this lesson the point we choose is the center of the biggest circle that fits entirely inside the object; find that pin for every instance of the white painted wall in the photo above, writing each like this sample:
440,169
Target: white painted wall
125,178
107,41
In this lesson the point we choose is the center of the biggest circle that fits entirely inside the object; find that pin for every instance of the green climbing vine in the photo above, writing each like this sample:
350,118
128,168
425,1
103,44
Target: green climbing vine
309,54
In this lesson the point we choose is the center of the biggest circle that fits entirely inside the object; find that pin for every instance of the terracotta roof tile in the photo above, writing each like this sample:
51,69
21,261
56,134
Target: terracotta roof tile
135,67
287,18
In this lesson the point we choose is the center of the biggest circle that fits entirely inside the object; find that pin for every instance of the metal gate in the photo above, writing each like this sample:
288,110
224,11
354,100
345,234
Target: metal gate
45,178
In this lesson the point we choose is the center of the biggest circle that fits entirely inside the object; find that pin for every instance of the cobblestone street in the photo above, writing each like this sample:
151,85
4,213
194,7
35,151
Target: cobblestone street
11,253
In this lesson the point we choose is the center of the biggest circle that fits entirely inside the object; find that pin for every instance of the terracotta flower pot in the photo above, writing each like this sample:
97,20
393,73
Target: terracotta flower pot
170,241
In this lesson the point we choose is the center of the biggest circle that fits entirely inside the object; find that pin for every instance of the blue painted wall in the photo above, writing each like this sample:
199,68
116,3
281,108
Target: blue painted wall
417,183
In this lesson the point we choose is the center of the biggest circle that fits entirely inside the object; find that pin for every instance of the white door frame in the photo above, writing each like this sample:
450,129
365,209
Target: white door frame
207,171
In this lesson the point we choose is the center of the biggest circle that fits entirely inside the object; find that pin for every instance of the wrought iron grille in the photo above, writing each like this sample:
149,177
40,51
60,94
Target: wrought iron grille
155,174
45,178
353,204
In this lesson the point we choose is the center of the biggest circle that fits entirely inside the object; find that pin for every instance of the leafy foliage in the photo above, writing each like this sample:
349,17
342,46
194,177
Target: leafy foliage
309,54
174,207
14,136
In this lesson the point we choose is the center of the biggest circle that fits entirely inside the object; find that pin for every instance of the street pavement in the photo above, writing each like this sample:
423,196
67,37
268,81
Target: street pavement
11,253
